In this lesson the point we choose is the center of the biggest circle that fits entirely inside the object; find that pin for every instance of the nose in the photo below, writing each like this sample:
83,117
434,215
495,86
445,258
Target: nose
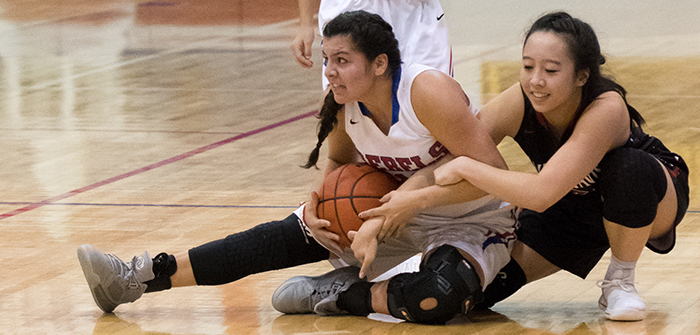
330,70
537,79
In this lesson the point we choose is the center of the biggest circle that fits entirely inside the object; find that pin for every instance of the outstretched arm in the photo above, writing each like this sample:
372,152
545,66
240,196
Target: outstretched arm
603,126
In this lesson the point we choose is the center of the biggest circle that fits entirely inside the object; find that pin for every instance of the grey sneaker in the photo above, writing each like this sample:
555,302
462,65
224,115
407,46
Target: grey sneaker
112,281
304,295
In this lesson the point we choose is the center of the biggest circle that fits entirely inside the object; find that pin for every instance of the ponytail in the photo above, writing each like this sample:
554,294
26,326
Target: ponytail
328,120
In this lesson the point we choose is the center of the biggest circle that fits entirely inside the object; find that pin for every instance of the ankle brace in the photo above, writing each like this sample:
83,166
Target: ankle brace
164,266
357,300
618,268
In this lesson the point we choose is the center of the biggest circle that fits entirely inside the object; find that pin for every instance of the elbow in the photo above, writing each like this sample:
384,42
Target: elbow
538,208
539,203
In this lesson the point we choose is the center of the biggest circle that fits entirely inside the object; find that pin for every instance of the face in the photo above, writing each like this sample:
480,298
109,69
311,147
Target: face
350,74
548,76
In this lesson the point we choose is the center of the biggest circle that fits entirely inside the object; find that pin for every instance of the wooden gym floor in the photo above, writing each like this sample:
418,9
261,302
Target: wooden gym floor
161,125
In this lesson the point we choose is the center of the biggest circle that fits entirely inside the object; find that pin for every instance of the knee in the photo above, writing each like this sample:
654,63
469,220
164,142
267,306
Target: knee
445,286
632,184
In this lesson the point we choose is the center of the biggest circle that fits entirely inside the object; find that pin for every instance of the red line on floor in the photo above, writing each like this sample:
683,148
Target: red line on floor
153,166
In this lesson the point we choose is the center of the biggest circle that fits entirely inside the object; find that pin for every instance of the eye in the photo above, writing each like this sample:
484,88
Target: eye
550,71
527,67
342,61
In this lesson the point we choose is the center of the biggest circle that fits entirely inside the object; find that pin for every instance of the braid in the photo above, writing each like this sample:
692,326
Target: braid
328,120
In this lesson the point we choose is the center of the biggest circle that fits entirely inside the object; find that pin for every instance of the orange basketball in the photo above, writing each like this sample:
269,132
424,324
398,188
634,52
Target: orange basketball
348,191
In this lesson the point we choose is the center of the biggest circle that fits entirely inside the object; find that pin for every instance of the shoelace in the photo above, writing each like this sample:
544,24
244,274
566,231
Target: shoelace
124,270
327,291
624,284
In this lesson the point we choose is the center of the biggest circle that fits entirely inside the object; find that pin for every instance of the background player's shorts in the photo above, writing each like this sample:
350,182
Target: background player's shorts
418,25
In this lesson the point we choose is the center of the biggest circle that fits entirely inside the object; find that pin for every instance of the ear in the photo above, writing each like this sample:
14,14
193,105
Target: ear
582,77
381,65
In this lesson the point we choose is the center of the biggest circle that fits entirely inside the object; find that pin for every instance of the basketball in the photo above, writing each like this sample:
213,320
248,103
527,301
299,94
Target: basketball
348,191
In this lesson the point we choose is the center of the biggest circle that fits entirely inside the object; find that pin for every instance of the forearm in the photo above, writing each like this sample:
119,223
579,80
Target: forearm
526,190
427,194
307,10
435,195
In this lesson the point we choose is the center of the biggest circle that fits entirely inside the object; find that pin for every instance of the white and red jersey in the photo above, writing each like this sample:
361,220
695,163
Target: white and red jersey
409,146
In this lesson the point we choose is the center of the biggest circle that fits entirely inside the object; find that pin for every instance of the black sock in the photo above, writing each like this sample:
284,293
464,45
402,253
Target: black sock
357,300
508,281
164,266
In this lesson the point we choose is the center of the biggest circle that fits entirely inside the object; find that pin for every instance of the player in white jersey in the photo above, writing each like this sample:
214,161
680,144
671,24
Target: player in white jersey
419,26
269,246
403,119
408,147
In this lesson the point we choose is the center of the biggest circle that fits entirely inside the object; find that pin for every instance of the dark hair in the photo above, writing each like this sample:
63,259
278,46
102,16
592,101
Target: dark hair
372,36
585,51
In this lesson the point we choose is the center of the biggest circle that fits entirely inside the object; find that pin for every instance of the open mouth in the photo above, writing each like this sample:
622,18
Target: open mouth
539,95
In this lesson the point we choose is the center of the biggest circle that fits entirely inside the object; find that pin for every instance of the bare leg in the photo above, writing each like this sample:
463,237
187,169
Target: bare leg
379,298
619,298
184,275
533,264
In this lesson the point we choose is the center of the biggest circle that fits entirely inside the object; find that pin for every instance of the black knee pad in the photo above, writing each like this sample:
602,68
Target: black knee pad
632,183
447,284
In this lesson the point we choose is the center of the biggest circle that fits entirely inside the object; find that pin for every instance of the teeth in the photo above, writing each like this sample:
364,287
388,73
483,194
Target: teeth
538,95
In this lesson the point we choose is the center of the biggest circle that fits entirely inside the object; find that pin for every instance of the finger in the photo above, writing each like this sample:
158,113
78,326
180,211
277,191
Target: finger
331,235
369,258
387,197
302,53
332,245
298,52
307,49
351,235
306,63
370,213
318,223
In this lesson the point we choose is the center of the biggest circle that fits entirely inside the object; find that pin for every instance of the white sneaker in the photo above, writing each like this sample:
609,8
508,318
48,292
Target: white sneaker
620,301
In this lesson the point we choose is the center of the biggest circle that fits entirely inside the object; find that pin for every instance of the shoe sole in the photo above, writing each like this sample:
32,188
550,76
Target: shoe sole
92,278
626,315
281,289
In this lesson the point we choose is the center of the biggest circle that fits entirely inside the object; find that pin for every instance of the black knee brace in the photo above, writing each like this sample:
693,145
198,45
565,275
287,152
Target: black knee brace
446,285
632,183
269,246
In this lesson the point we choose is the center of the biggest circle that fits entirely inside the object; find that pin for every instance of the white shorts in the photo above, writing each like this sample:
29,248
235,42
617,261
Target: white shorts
487,234
418,25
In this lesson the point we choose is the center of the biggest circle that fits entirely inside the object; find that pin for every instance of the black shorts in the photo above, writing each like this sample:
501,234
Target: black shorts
571,234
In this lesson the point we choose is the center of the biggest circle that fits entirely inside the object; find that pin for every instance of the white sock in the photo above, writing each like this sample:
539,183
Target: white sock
620,270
